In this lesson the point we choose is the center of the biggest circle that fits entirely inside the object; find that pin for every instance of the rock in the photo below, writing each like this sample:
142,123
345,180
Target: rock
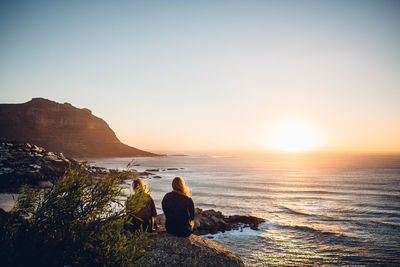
45,184
157,177
152,170
98,170
145,174
212,222
62,128
168,250
22,163
172,169
251,221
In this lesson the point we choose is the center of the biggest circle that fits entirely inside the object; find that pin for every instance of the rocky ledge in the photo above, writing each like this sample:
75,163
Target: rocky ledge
168,250
212,222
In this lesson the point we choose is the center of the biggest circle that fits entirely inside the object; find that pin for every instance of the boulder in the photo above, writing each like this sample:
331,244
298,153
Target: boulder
212,222
169,250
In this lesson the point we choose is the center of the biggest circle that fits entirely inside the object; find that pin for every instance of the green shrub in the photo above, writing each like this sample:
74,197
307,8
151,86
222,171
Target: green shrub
78,222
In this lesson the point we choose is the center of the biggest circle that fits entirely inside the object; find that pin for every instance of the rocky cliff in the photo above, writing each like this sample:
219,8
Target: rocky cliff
62,128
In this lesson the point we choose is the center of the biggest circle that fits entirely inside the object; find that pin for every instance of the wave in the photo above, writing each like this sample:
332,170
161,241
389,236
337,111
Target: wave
322,236
208,205
293,211
231,195
379,226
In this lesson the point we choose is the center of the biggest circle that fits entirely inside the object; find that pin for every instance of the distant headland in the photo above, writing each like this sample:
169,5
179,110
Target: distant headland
75,132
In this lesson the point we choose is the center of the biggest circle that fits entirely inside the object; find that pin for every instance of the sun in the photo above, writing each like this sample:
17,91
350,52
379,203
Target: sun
293,136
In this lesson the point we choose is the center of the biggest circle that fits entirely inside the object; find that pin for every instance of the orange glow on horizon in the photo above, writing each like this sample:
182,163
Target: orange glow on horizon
293,136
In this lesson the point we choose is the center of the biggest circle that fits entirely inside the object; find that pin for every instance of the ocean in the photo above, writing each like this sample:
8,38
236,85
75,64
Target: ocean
334,209
320,209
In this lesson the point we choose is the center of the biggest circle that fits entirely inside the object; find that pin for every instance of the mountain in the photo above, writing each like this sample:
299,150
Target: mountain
75,132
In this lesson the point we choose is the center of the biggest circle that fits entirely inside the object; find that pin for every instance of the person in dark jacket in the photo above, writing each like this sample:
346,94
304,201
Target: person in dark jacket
178,208
140,207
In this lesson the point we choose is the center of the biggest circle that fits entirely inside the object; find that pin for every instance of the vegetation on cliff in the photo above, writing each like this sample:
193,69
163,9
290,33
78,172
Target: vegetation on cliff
78,222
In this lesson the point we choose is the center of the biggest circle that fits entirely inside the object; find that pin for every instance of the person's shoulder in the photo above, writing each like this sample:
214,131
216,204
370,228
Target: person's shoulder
168,195
185,198
150,198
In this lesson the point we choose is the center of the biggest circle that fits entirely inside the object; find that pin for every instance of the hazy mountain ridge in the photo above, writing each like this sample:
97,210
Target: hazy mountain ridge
62,128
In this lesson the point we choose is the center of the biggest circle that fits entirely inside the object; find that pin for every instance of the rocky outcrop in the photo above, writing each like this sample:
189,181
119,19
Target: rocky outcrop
24,163
168,250
28,164
212,222
62,128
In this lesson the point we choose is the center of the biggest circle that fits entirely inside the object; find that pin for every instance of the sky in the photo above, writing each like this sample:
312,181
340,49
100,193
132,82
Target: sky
212,75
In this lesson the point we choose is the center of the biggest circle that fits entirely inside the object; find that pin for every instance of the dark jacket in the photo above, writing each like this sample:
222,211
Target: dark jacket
179,211
142,218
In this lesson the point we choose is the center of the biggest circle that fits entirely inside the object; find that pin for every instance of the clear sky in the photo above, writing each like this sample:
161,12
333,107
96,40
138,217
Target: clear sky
212,75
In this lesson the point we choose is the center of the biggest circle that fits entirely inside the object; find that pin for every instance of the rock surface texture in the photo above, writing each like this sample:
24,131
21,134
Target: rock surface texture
28,164
212,222
24,163
62,128
168,250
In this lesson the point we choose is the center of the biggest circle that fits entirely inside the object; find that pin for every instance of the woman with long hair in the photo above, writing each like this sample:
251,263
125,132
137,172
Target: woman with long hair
178,208
140,207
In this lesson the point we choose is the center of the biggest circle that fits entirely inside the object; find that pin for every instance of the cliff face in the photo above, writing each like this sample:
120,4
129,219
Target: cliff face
62,128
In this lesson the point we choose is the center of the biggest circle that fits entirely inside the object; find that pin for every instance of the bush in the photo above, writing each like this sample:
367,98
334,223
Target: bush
78,222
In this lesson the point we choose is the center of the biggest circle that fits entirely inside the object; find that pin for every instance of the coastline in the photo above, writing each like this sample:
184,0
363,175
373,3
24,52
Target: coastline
286,194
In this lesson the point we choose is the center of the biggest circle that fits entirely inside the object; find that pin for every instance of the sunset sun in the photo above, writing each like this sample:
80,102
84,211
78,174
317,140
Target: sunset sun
293,137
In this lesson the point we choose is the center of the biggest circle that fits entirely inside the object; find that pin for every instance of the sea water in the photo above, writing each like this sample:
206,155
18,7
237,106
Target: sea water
319,208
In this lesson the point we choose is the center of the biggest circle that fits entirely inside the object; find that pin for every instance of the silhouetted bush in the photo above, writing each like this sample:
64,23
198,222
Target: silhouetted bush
78,222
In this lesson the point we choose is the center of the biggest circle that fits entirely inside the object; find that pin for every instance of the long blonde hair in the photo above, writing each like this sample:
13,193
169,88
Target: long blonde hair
138,200
178,186
139,185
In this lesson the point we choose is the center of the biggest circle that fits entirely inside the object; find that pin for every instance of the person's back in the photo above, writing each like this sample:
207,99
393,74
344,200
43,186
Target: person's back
143,217
178,208
141,209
